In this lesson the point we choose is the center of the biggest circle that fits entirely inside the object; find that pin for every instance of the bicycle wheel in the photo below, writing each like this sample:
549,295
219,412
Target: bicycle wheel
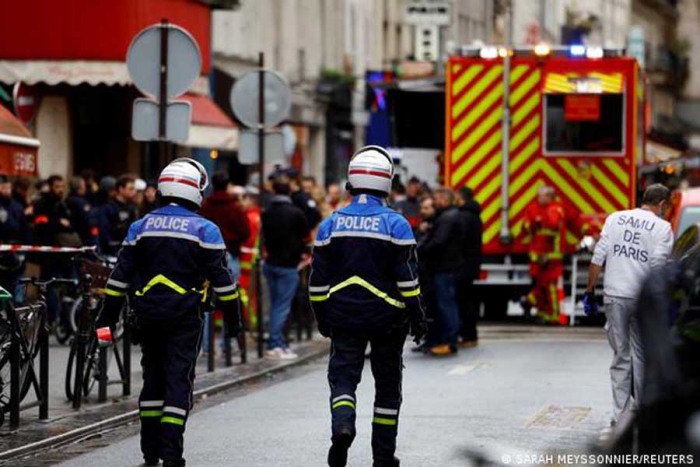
68,387
5,370
31,322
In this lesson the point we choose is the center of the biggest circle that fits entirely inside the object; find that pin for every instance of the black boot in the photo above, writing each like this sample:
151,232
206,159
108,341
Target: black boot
392,463
338,453
172,463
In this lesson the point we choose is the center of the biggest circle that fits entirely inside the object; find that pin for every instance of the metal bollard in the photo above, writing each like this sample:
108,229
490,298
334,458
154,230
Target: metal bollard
243,344
259,305
104,377
44,372
212,344
227,346
126,377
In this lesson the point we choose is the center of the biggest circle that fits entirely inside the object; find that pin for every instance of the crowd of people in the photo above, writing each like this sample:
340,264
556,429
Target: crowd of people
85,211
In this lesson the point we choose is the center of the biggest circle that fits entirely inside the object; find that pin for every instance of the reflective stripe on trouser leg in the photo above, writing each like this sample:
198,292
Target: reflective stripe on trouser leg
152,396
344,374
183,348
387,368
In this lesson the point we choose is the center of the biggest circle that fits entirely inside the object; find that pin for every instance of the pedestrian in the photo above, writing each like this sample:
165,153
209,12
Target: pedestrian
107,190
164,265
20,193
410,205
13,230
444,246
226,213
117,215
286,234
303,200
91,185
250,252
364,289
150,201
427,213
467,296
80,211
320,197
545,224
140,195
334,197
632,244
309,184
53,227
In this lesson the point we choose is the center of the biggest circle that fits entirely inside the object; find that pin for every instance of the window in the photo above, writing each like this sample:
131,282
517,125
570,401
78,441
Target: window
689,217
584,124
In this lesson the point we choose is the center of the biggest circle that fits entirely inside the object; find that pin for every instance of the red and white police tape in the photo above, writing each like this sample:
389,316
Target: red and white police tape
45,249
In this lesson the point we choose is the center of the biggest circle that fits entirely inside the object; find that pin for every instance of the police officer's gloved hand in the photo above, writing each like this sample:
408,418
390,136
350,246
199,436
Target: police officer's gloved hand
418,329
590,304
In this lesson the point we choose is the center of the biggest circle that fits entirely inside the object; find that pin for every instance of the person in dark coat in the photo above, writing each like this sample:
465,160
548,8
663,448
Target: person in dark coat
53,227
467,297
117,215
444,247
80,211
303,200
12,230
286,236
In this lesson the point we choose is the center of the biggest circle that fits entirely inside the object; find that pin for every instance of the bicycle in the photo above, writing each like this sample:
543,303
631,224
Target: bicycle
71,303
27,324
83,368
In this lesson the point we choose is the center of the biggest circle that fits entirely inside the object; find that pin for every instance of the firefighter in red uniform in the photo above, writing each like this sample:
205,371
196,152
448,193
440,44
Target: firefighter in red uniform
545,224
249,255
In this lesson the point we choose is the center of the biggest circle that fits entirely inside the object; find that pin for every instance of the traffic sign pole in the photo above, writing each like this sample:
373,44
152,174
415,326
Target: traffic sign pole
163,97
163,94
261,159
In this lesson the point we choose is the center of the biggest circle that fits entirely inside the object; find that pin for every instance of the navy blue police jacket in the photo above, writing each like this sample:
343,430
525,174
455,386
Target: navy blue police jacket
364,269
169,262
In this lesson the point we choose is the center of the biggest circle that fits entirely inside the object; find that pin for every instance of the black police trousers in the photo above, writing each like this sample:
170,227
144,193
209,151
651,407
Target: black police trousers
170,351
344,373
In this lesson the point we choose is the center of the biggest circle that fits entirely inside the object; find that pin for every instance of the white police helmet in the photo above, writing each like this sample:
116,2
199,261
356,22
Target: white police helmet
371,168
184,178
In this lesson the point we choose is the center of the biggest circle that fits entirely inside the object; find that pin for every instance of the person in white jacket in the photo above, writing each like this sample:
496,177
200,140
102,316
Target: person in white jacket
632,244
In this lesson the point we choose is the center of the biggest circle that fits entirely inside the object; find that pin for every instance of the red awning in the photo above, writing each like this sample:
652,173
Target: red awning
211,127
18,149
206,112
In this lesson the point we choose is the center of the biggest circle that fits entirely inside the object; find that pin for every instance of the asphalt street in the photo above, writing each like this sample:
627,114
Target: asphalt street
517,394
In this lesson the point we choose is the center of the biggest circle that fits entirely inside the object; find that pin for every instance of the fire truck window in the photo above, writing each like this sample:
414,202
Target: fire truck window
584,123
689,216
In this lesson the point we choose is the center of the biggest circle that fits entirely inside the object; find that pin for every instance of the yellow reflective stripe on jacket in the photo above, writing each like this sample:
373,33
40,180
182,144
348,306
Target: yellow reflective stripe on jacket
228,298
114,293
411,293
161,279
357,280
318,298
548,232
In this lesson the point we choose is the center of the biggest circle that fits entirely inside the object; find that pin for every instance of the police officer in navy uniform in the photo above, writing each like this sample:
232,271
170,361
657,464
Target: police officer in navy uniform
364,289
170,261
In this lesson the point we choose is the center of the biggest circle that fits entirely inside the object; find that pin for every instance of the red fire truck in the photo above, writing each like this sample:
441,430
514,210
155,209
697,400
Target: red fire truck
567,117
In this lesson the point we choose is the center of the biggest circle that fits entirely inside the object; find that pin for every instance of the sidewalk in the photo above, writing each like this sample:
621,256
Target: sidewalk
66,425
